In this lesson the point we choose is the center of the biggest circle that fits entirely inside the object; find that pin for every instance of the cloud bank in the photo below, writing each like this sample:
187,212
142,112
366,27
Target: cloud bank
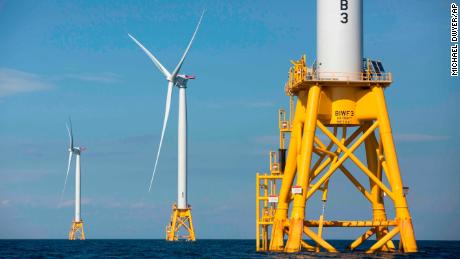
14,82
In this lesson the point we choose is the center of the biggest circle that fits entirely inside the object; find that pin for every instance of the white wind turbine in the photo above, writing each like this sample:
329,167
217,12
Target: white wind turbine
77,152
179,80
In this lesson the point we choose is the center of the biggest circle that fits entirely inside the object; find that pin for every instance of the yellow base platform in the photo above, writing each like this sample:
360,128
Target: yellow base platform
180,219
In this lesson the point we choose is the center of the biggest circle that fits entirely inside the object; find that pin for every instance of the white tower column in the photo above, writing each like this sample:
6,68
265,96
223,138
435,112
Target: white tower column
182,151
77,188
339,39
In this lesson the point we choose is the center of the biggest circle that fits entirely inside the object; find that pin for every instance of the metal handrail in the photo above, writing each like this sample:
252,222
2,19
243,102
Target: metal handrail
343,76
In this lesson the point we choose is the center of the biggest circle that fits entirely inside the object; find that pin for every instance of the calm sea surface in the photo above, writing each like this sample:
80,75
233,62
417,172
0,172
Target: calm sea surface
198,249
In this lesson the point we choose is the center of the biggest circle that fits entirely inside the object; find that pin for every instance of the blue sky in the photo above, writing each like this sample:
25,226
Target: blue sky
60,58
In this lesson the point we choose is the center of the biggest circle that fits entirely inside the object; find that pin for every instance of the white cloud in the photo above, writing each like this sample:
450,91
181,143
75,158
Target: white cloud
15,81
419,137
4,203
105,78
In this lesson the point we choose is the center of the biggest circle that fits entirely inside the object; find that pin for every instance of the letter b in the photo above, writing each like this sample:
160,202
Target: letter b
343,5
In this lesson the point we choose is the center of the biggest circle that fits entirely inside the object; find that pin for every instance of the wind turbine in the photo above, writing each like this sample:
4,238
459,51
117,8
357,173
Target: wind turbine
76,231
181,211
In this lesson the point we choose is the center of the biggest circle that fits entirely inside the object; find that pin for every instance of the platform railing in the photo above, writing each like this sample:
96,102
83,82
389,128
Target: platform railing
294,78
341,76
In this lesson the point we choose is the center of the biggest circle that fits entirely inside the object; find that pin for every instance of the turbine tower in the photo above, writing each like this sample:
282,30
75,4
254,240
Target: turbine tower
76,231
181,215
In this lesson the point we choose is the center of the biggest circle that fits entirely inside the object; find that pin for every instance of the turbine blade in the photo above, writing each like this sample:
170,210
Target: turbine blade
66,175
179,65
69,130
152,57
165,122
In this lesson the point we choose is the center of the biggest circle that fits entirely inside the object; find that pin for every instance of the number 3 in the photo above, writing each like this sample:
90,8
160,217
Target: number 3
344,18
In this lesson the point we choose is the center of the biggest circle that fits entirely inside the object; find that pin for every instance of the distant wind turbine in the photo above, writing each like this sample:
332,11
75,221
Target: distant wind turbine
76,231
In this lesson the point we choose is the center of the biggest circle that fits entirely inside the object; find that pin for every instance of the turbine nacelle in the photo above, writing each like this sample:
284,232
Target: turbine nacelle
77,150
171,79
187,76
181,80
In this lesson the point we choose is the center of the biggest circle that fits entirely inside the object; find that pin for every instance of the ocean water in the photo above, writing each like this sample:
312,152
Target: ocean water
200,249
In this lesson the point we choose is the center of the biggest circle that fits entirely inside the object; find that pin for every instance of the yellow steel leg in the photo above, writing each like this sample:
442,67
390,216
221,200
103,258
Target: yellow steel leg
265,238
76,231
319,240
362,238
277,236
383,240
265,227
402,211
378,207
257,212
307,246
298,211
171,228
180,218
